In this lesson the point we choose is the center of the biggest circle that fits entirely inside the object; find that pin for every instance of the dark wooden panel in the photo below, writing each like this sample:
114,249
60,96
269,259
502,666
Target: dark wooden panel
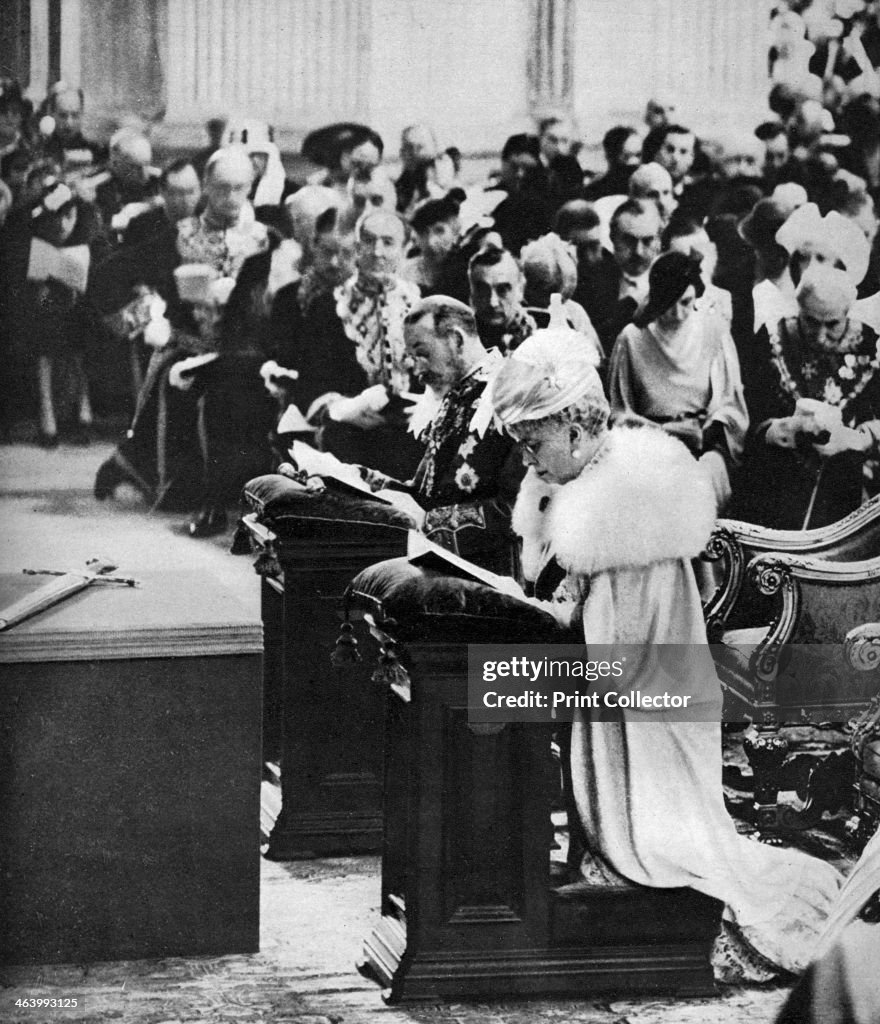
331,717
130,796
483,839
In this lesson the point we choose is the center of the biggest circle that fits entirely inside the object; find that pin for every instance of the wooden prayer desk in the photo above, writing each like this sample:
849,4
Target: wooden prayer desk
323,722
130,773
467,906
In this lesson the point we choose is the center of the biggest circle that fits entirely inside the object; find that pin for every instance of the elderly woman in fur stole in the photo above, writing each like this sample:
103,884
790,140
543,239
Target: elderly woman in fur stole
610,520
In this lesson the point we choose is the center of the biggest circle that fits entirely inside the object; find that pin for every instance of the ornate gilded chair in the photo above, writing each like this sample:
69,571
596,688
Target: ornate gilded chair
755,615
862,648
793,670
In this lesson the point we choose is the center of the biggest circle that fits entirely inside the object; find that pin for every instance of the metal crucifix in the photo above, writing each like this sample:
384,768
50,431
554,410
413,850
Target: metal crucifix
98,570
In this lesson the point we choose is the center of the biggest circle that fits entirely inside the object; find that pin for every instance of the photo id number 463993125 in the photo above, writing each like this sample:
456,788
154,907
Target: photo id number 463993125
48,1003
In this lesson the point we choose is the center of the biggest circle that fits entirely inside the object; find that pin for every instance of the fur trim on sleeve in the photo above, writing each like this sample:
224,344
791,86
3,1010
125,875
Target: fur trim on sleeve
645,500
530,521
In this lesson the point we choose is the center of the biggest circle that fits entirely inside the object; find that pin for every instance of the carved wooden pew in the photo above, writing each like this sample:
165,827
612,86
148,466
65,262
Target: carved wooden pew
794,669
323,722
467,905
734,544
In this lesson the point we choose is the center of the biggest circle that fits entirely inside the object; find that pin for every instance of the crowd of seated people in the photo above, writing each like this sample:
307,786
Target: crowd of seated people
723,292
728,288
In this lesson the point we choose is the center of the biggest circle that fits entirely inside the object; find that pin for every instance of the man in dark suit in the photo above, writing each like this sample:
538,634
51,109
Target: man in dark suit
565,179
496,287
577,223
132,185
623,148
180,191
612,289
527,211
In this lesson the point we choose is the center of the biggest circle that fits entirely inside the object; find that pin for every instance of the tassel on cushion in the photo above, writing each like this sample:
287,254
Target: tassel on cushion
345,652
389,672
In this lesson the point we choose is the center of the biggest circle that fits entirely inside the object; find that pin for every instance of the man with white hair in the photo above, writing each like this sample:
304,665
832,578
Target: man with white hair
651,181
133,185
812,451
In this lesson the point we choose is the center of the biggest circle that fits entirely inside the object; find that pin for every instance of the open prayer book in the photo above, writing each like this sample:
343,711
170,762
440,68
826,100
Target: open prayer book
69,265
422,551
337,475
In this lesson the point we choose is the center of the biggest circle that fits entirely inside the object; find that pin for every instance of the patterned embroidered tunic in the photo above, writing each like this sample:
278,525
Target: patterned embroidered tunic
468,482
372,317
777,484
225,249
469,476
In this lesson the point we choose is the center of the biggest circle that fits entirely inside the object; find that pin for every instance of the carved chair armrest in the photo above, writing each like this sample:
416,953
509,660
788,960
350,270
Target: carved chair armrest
734,543
829,541
862,647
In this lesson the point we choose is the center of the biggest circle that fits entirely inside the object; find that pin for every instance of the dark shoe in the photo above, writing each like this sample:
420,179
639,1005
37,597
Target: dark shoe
108,478
45,440
209,523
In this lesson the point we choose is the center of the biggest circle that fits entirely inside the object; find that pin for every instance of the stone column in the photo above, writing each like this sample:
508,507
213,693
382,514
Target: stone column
551,52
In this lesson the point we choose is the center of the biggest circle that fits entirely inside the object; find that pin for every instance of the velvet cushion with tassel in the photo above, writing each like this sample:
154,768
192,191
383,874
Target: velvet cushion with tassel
288,509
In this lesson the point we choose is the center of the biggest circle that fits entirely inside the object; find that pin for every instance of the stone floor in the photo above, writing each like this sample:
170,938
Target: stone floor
315,913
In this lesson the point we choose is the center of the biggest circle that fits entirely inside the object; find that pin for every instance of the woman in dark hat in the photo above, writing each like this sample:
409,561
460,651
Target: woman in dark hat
437,227
677,367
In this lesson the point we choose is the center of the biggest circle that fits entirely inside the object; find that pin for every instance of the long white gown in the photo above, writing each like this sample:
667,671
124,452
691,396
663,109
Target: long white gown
648,785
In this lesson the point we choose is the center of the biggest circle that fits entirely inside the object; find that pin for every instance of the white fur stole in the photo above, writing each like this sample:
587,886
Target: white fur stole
644,500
